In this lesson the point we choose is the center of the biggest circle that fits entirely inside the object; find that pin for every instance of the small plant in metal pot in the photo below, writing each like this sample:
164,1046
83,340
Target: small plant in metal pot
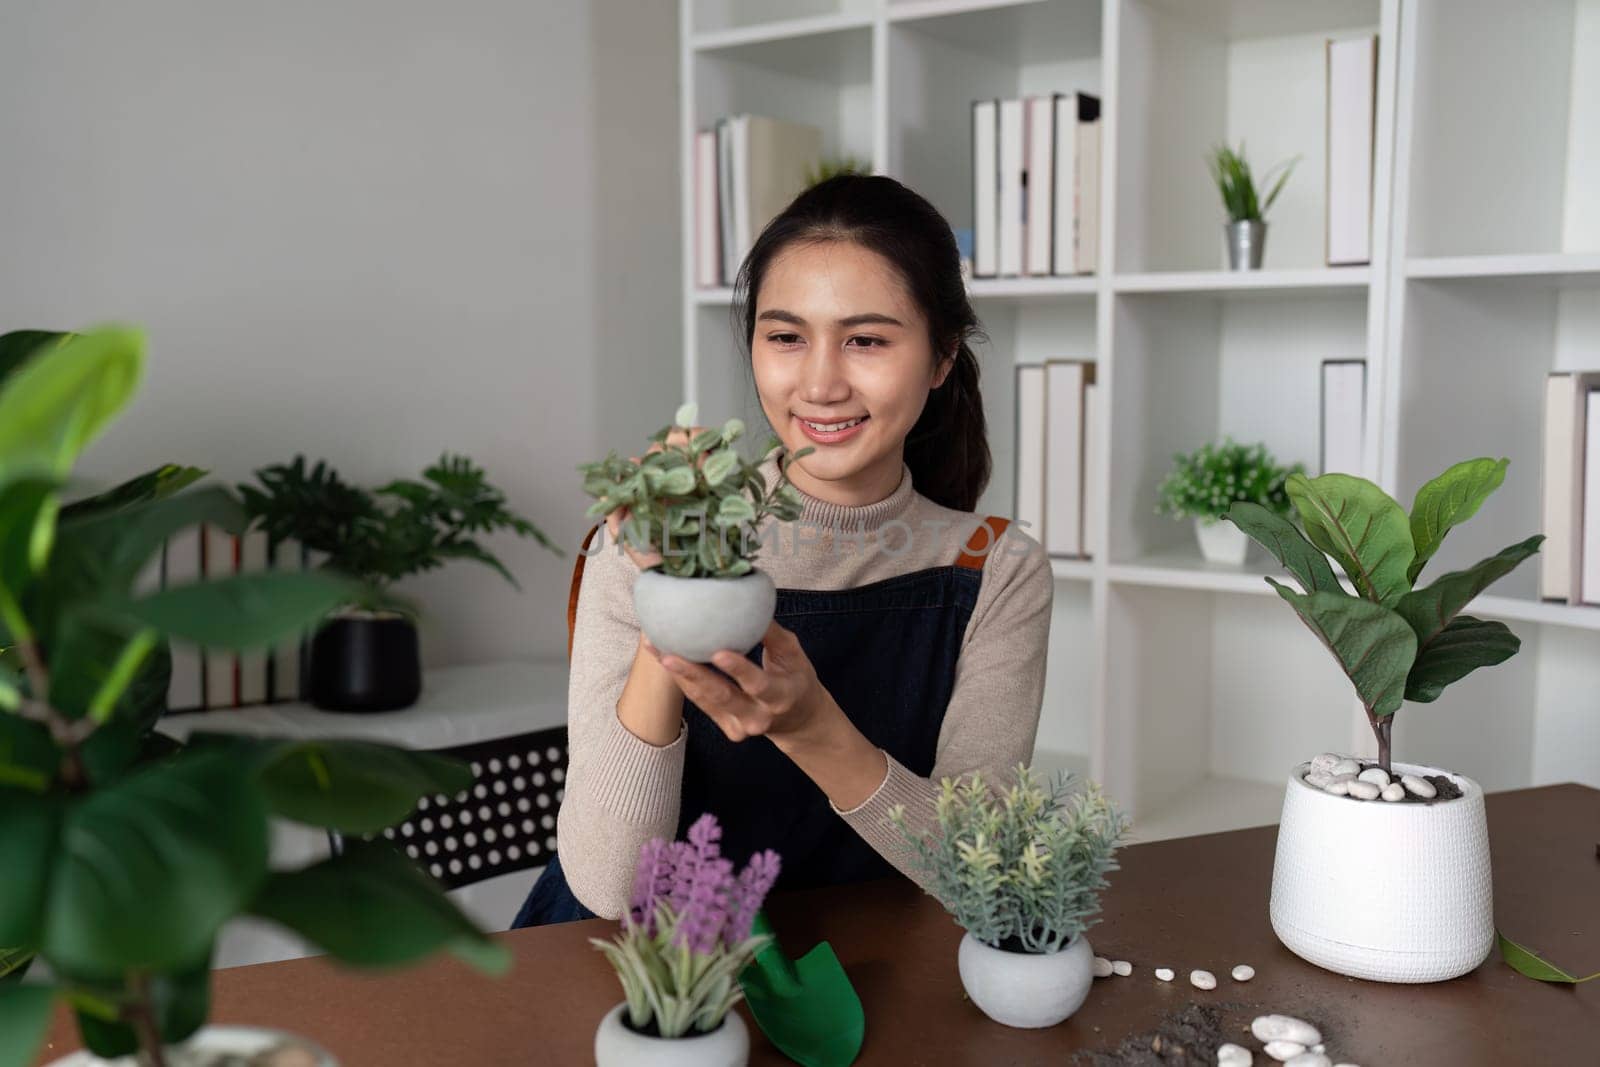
1406,831
693,506
1205,483
365,656
1021,871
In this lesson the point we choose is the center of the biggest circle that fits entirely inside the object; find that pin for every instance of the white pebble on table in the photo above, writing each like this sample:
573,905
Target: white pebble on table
1419,787
1363,790
1164,973
1243,973
1122,967
1346,766
1231,1055
1202,979
1319,1048
1285,1028
1102,967
1393,792
1309,1059
1283,1051
1376,775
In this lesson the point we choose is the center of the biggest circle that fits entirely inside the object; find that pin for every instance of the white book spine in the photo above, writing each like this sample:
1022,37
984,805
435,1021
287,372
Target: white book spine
1011,200
1041,182
253,664
285,673
730,263
985,189
1352,97
1031,450
1591,497
741,191
1094,423
1344,410
1560,486
1063,495
185,691
221,691
707,255
1064,114
1087,213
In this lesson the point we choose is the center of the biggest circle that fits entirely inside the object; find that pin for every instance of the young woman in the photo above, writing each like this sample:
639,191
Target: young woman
895,658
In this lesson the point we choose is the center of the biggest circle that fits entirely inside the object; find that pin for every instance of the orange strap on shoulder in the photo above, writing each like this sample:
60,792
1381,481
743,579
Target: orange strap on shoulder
982,542
577,580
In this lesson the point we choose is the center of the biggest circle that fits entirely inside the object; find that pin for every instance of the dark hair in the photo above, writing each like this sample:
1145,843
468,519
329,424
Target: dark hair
948,448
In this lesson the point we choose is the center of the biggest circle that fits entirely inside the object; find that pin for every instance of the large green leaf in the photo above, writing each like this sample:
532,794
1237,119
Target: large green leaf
17,346
62,397
1430,610
239,613
354,786
181,1000
24,1019
1361,527
88,653
1525,961
164,481
372,907
1374,646
29,757
14,963
1287,544
112,547
1455,652
30,830
151,866
28,508
1449,500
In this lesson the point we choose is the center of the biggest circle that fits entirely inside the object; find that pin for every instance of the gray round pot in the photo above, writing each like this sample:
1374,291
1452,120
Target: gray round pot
693,617
1026,990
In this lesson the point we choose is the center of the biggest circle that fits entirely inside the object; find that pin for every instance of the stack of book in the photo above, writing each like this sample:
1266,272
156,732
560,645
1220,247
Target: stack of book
746,171
1036,185
1059,416
208,679
1569,561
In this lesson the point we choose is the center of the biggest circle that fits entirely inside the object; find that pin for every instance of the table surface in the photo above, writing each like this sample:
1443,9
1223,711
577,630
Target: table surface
1184,903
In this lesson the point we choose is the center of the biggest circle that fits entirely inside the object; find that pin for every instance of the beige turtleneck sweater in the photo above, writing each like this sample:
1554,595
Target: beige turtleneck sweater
622,791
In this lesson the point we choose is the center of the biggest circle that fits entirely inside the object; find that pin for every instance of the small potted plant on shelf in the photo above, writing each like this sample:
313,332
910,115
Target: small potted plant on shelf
365,655
1022,874
1205,483
1382,868
685,939
1246,228
124,854
695,505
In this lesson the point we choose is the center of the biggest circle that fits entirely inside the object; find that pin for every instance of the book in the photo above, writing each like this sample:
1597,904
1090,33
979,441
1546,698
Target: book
1352,119
1094,422
985,188
1562,484
253,664
730,265
220,559
739,189
1012,203
186,688
707,238
1039,183
1029,504
777,157
1077,183
1065,385
283,668
1590,553
1344,415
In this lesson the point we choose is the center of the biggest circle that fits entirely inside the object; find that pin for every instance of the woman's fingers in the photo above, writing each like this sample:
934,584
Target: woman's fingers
756,682
702,685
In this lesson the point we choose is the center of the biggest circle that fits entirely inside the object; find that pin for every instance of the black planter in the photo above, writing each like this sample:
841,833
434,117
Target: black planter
360,663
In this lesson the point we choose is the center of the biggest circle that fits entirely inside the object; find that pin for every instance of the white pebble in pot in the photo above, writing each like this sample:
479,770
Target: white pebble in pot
1376,775
1102,967
1122,968
1340,786
1202,979
1393,791
1346,766
1283,1051
1326,762
1243,973
1419,787
1231,1055
1363,790
1318,779
1285,1028
1164,974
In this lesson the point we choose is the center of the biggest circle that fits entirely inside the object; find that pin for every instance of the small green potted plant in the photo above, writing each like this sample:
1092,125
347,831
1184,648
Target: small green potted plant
685,940
124,854
365,656
1246,228
1205,483
1382,868
694,506
1021,872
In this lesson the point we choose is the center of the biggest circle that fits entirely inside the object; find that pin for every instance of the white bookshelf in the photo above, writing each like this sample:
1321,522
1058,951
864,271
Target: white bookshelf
1189,689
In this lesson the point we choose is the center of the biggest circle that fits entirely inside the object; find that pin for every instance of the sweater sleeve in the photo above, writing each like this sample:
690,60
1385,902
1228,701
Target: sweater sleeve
993,714
621,791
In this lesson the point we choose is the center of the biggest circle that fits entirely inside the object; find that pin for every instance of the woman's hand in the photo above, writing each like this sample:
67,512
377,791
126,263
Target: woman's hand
780,698
643,557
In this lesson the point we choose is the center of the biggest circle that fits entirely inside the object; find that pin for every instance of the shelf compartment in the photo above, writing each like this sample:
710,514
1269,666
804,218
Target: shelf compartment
723,23
1066,716
1031,288
1561,269
1311,280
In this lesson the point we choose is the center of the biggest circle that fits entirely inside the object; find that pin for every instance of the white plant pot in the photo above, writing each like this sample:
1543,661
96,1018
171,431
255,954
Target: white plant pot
1391,892
617,1046
1026,990
212,1045
694,617
1221,541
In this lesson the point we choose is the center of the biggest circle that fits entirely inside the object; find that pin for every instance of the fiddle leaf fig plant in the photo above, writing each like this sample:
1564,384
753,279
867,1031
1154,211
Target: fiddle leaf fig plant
124,853
1394,640
693,498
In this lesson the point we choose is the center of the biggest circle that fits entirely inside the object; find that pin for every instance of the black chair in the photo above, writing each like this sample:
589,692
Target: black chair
505,822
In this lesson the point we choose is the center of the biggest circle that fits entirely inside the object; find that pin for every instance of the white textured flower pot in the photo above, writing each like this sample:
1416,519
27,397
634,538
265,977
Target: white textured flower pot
617,1046
1221,541
1391,892
215,1045
693,617
1026,990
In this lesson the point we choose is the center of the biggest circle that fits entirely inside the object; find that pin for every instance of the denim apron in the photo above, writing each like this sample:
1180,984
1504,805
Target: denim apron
887,654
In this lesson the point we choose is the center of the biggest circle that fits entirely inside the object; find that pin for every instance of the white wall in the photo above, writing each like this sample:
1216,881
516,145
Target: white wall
368,230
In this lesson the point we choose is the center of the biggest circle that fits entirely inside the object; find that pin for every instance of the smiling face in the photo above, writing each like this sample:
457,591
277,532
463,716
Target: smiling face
843,365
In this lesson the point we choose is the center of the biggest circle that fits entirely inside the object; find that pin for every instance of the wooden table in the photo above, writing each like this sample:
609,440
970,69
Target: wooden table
1186,903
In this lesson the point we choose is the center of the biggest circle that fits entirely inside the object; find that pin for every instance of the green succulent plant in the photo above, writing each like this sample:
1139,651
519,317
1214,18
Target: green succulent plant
124,853
1205,483
694,500
1240,192
1394,640
833,166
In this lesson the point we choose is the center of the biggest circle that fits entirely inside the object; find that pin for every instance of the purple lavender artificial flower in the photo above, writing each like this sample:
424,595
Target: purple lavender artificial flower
652,879
705,912
714,908
755,882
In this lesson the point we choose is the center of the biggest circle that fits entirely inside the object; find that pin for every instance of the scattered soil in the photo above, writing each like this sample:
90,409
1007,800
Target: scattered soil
1190,1034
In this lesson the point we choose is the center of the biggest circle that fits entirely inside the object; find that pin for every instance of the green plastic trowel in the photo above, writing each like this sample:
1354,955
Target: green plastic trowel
807,1007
